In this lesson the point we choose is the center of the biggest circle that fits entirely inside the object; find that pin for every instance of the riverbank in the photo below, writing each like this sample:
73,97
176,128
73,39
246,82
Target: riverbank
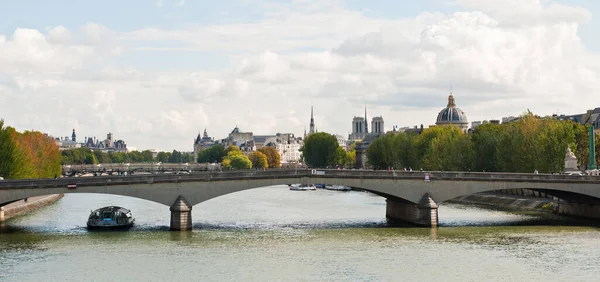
515,201
24,206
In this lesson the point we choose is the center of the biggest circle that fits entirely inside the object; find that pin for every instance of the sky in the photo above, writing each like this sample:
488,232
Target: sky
156,73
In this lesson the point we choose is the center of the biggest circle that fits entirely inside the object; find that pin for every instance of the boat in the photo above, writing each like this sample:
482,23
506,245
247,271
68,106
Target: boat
302,187
337,188
111,217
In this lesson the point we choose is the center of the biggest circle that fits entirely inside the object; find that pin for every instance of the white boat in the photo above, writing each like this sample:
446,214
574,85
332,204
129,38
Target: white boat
337,188
111,217
302,187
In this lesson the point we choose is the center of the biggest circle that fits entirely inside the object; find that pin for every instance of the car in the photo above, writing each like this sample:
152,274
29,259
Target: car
576,173
1,178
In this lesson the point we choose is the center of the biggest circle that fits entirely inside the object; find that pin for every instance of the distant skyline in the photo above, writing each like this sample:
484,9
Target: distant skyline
157,73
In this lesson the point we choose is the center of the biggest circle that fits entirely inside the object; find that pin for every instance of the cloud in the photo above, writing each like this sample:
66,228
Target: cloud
301,54
159,3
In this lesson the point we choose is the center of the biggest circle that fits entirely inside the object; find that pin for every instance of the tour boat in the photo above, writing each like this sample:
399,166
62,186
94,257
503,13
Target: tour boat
338,188
111,217
302,187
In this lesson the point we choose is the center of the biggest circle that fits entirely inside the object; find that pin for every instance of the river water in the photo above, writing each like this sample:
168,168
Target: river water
273,234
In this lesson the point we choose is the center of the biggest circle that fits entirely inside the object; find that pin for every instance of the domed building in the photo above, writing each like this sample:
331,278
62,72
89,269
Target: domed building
452,115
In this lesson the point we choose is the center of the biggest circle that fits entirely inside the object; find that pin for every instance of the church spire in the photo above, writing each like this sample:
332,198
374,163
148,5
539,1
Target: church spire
312,122
366,121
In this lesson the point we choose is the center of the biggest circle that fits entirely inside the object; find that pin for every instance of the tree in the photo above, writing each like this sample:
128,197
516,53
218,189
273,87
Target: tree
240,162
175,157
214,154
162,157
147,156
234,160
320,149
258,159
273,157
8,151
233,150
382,152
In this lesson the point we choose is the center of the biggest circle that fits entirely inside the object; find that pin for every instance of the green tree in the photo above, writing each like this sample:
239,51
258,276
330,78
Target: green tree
383,152
273,157
90,159
118,157
175,157
258,159
320,149
147,156
240,162
8,151
162,157
213,154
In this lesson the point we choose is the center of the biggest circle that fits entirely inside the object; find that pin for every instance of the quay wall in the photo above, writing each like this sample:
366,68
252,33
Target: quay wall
518,199
24,206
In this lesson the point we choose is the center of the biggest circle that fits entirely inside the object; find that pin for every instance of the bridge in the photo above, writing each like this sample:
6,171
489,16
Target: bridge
411,196
133,168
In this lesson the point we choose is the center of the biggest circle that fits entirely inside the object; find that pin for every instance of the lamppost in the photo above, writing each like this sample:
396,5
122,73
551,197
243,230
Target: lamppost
592,157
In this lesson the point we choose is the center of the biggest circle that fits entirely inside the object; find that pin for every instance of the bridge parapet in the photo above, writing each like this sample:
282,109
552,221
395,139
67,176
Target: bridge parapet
286,173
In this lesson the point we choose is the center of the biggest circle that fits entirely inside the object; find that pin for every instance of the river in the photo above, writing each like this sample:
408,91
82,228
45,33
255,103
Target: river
273,234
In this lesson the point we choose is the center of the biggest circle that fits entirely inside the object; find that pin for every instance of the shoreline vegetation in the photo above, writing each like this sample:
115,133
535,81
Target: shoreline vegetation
528,144
30,154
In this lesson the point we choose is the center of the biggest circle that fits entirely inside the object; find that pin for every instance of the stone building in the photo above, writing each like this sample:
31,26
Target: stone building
107,145
202,143
451,115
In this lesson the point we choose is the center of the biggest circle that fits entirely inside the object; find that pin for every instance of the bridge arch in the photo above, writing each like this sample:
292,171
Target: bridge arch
443,191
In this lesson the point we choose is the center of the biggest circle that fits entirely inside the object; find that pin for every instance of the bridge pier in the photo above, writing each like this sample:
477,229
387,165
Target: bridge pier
181,215
425,213
587,210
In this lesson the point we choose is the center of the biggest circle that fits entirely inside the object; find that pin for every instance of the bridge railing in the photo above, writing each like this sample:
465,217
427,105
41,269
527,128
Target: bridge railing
291,173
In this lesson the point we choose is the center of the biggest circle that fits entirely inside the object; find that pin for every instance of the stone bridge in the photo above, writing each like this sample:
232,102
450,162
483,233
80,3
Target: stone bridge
411,196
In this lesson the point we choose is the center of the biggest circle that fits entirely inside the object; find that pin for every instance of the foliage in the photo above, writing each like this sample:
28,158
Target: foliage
258,159
240,162
273,157
320,149
8,151
235,160
27,155
87,156
528,144
233,150
162,157
213,154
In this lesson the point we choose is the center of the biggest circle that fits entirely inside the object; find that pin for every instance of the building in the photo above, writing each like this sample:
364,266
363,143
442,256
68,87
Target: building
591,117
377,125
106,145
237,137
451,115
341,141
202,143
288,147
264,140
509,119
360,129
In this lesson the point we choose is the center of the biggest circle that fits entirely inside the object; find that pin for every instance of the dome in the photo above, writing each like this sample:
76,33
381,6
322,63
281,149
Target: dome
451,114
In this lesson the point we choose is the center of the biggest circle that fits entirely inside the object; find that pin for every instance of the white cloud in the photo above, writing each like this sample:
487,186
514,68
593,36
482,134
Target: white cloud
159,3
302,54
